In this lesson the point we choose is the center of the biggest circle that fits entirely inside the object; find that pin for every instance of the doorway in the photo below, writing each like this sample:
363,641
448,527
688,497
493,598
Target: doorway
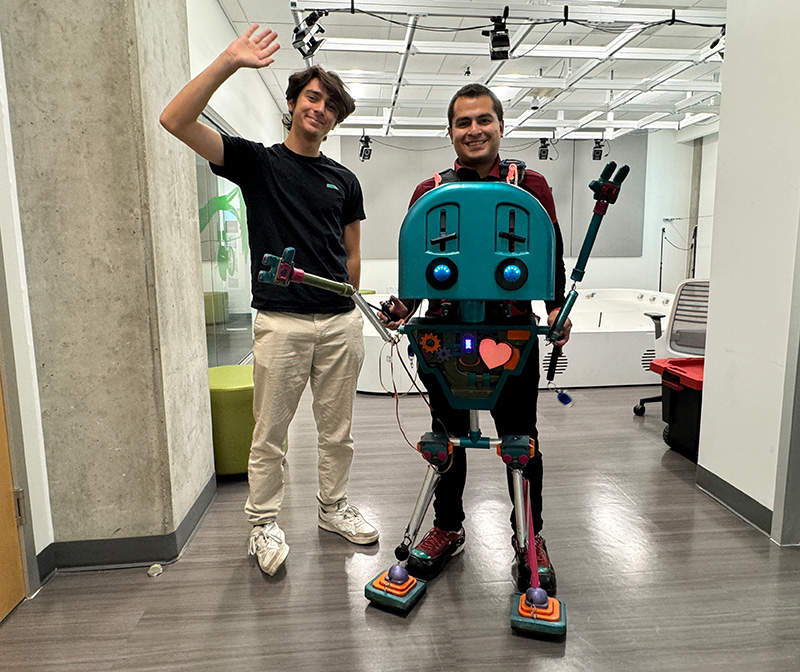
12,580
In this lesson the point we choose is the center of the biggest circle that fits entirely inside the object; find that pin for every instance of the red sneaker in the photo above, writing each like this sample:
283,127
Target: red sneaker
547,575
521,572
430,555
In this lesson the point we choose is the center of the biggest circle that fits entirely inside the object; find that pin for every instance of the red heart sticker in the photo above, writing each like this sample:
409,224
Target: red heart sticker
494,354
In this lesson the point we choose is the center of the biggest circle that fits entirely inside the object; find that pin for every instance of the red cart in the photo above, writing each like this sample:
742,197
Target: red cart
682,397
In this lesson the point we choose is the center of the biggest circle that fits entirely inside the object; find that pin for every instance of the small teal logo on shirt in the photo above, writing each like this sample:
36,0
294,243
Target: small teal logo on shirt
332,186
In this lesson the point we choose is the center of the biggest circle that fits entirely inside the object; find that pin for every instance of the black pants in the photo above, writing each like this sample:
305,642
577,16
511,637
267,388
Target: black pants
514,413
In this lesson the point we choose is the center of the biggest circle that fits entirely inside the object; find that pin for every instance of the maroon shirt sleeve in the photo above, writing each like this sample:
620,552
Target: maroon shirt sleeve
536,184
422,188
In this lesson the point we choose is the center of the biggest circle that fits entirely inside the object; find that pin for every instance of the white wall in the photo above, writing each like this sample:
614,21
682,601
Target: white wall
705,219
243,101
332,147
667,194
749,375
27,392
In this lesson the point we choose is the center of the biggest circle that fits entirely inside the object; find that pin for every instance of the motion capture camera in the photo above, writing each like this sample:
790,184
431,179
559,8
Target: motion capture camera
499,40
544,149
597,150
306,37
365,153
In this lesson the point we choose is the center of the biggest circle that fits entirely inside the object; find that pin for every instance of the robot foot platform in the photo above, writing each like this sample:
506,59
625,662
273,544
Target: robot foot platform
395,590
536,615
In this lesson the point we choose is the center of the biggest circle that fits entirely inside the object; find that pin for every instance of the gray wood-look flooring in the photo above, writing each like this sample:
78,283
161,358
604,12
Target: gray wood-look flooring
655,574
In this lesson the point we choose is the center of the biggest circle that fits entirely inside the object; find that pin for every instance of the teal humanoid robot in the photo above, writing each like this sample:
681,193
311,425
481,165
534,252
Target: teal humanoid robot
473,242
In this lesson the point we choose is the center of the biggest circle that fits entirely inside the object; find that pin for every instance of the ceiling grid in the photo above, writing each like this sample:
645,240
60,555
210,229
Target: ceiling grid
614,67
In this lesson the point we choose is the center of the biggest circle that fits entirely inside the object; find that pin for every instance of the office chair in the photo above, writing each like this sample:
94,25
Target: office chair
685,334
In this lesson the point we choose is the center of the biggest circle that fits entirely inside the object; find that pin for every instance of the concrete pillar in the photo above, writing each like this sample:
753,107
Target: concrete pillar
108,213
749,441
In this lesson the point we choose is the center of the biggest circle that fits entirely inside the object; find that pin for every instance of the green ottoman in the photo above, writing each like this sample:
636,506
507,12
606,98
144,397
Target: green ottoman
231,416
216,307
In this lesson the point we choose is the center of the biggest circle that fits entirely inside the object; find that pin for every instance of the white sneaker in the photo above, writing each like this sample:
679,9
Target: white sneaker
268,544
348,521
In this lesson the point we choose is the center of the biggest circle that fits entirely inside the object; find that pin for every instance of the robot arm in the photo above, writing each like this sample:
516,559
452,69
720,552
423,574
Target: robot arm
606,192
281,271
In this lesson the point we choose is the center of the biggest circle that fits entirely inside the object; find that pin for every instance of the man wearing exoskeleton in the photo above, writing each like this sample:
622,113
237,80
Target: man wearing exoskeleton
475,127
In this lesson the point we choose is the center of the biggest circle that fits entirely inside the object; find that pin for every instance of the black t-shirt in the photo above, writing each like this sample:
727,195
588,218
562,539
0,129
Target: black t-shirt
294,201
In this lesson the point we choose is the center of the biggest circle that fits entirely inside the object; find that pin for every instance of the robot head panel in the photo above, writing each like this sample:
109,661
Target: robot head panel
477,241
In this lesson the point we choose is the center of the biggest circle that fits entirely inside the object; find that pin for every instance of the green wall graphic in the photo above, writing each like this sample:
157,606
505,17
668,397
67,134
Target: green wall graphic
226,256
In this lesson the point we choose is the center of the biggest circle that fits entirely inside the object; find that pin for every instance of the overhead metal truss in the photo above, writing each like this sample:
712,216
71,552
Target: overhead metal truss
543,106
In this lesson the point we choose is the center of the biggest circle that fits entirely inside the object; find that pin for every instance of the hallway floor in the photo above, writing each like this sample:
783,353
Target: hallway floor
655,574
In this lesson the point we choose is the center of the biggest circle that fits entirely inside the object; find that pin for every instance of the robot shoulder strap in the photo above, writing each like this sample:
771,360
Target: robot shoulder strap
511,171
444,177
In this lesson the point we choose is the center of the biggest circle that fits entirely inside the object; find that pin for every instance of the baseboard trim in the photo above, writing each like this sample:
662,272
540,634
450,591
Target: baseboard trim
46,561
744,506
129,551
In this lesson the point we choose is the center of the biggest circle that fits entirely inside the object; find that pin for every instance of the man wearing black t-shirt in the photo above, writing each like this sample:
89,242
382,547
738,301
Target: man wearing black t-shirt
295,197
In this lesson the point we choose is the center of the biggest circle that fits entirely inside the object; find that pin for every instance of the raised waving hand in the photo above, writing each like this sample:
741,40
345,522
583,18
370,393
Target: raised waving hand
251,50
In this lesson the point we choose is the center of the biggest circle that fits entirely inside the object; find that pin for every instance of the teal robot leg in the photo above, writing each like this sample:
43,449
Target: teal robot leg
533,613
395,589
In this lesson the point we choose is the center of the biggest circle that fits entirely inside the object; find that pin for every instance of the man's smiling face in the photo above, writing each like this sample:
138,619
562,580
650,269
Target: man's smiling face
475,132
312,112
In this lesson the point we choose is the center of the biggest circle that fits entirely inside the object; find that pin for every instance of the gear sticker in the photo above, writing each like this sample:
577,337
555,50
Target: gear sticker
430,342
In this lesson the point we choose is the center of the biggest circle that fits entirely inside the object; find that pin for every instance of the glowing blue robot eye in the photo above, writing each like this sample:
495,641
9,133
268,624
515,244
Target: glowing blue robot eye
512,273
441,272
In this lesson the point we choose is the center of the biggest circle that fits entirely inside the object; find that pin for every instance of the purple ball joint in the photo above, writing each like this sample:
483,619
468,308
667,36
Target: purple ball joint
536,597
397,574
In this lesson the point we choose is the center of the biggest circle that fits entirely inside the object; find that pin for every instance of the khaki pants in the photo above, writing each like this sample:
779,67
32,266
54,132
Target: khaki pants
289,350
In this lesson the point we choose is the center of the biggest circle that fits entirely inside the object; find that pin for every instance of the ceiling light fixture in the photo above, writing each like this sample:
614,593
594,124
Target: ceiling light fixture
306,36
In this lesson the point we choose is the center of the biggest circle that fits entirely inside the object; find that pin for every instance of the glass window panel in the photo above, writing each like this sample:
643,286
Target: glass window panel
225,257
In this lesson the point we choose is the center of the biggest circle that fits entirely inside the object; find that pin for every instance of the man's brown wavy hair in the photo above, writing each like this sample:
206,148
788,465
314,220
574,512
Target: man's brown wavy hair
340,98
